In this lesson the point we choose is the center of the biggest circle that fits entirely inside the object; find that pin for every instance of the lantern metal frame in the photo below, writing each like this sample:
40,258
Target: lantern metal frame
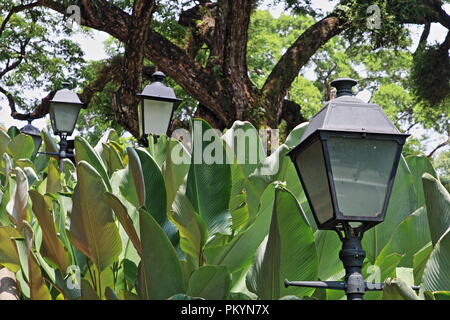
338,216
34,133
153,92
65,97
323,127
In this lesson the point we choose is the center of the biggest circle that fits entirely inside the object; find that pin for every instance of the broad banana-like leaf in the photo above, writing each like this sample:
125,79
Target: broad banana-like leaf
420,259
192,228
244,145
49,142
18,204
84,152
8,253
437,201
123,183
38,288
401,204
243,246
397,289
210,282
111,158
289,253
160,273
409,237
419,165
436,276
276,167
21,147
53,177
92,229
52,247
157,147
176,168
209,185
87,292
4,141
125,220
328,246
382,269
151,189
110,135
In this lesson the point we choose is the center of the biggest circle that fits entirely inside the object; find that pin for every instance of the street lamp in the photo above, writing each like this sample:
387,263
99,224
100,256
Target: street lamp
64,110
346,161
157,107
34,133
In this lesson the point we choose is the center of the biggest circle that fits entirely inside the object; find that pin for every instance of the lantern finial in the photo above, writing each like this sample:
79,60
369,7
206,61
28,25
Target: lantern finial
344,86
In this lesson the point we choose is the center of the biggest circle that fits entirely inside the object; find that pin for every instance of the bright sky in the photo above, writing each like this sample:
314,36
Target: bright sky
94,50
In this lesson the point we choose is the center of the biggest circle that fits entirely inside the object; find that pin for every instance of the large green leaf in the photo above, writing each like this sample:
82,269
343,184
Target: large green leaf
209,185
328,246
244,145
8,253
38,288
210,282
52,247
420,259
243,246
401,204
18,204
160,273
436,276
419,165
289,253
53,177
4,141
21,147
151,190
176,168
437,201
382,269
409,237
92,227
397,289
193,231
84,152
125,220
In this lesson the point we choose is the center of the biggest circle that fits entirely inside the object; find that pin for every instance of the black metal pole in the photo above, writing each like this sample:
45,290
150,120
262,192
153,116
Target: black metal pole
352,256
62,151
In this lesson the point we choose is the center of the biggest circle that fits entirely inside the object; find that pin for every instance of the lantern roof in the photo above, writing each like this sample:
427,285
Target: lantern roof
349,114
66,95
31,130
158,90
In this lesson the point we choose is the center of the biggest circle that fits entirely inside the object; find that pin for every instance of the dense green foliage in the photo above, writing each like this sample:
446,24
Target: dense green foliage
146,224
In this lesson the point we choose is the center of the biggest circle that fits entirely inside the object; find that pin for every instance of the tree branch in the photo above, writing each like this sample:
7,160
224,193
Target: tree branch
14,10
443,144
288,67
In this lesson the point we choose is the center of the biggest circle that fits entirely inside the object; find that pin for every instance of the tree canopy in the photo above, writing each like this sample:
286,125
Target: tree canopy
228,59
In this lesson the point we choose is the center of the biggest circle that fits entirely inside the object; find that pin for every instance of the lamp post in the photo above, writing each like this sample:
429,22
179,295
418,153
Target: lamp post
35,134
64,110
158,103
346,161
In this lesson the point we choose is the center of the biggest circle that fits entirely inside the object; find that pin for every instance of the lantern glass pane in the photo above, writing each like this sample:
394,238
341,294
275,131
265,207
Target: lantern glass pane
157,116
64,117
361,170
311,165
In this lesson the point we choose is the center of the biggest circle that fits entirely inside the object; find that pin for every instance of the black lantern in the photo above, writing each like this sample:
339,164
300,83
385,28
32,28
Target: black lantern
157,107
347,160
34,133
64,110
